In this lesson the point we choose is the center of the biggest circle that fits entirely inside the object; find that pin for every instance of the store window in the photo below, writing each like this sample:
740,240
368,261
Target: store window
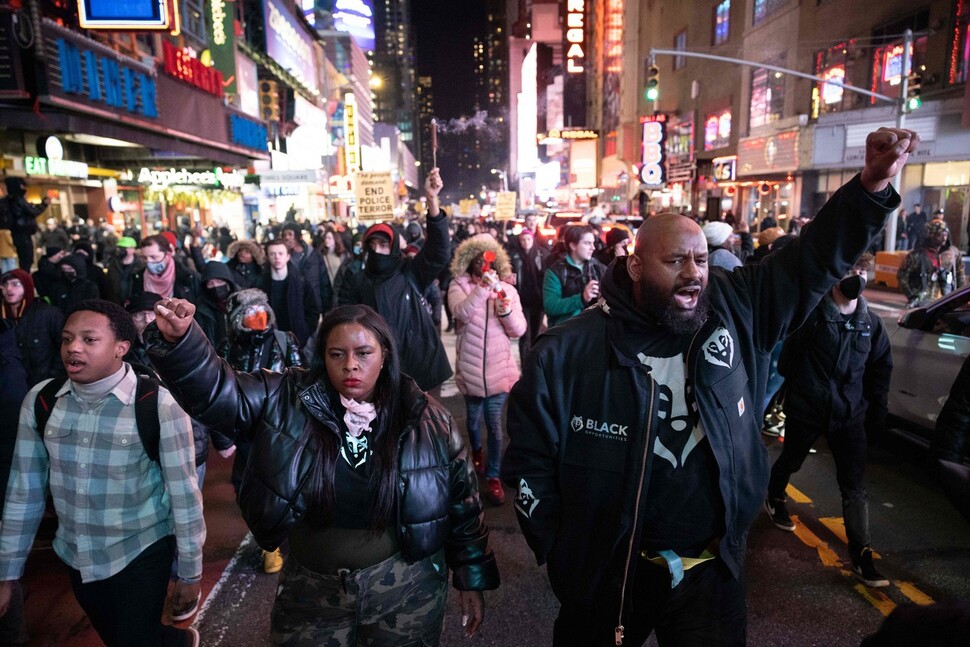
717,129
960,45
764,8
722,24
767,97
835,64
680,43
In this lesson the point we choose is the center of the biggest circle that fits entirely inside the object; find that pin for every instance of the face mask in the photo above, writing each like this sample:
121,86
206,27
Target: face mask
70,276
219,293
357,249
156,268
852,286
256,321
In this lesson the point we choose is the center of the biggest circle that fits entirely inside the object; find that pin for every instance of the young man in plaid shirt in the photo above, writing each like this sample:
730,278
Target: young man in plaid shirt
121,513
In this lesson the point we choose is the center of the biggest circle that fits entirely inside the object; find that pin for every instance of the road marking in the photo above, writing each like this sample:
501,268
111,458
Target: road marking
796,495
836,526
226,573
810,539
910,591
876,598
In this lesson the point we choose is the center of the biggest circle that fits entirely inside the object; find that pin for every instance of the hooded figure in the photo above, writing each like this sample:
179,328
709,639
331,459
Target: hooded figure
246,260
73,285
20,217
253,341
394,286
38,326
96,273
212,311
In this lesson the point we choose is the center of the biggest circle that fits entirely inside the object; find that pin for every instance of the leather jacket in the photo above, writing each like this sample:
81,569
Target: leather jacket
438,504
251,350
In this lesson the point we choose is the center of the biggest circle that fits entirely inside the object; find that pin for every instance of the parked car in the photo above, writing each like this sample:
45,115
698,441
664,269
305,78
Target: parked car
929,344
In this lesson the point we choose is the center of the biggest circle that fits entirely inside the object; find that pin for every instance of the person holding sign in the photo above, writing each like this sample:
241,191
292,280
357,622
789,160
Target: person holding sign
393,285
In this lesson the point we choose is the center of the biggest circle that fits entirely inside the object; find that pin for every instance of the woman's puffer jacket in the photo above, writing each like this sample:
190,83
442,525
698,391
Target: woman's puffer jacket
438,503
484,362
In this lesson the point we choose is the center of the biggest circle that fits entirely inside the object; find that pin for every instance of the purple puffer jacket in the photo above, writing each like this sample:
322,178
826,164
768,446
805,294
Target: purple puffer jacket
484,363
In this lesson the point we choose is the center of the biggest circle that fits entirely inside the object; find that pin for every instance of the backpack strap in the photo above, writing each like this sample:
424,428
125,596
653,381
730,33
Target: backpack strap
146,415
44,404
146,411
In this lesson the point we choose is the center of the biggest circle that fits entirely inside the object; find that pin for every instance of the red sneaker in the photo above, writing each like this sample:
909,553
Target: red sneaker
478,461
496,495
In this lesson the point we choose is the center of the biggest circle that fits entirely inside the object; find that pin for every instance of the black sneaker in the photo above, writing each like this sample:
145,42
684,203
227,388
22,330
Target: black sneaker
865,571
778,513
186,612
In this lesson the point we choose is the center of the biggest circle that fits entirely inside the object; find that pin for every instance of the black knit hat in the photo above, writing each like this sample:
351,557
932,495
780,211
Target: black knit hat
142,302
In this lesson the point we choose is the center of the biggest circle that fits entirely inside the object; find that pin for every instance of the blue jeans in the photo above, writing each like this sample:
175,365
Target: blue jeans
493,406
7,264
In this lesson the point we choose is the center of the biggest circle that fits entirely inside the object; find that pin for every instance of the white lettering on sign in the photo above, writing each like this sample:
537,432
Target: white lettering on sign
215,177
218,8
652,173
575,35
288,35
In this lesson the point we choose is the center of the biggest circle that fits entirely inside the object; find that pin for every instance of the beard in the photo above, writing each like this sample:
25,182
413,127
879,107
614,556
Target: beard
660,305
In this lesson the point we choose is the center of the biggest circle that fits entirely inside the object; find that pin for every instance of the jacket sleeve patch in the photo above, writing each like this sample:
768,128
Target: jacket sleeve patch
741,407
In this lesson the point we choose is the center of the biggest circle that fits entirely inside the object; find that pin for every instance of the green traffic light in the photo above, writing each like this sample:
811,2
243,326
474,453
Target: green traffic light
652,94
914,103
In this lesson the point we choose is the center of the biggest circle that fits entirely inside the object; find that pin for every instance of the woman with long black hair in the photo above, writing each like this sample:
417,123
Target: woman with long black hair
366,475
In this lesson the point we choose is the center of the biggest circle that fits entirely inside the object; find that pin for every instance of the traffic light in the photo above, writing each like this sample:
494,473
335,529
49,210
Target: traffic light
652,92
913,89
269,100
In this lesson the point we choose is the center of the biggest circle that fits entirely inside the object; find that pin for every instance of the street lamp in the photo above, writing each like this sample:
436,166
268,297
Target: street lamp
504,176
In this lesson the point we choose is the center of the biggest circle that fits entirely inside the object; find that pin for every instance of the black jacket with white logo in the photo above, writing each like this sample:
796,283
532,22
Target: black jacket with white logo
583,417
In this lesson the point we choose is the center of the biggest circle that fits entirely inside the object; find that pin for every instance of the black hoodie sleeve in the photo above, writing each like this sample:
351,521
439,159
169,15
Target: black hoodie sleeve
777,295
435,254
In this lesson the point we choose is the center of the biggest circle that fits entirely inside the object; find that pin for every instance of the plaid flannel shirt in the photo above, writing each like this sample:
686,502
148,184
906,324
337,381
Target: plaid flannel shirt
112,500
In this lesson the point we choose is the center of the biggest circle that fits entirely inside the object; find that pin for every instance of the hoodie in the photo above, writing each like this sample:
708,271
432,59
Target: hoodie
66,294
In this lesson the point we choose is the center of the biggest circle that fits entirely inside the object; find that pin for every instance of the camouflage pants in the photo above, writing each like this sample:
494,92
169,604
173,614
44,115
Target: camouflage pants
393,604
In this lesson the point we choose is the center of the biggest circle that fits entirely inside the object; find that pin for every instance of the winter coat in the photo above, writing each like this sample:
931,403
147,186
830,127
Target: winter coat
397,295
437,507
837,372
484,362
246,275
915,274
55,238
563,285
253,350
527,266
67,294
581,493
303,308
39,340
7,248
212,317
121,278
13,389
187,282
309,264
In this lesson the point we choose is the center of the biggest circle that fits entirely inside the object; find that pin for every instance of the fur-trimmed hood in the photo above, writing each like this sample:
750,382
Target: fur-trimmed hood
472,247
256,250
238,302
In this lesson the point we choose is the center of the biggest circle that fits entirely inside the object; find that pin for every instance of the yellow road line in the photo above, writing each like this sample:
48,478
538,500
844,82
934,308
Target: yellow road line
876,598
810,539
910,591
836,526
796,495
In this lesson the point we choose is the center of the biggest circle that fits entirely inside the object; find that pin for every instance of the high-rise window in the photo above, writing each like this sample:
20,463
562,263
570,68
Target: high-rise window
767,97
722,22
764,8
680,42
193,19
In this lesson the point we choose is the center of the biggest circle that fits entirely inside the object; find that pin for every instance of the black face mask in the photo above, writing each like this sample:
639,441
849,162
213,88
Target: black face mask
219,293
852,286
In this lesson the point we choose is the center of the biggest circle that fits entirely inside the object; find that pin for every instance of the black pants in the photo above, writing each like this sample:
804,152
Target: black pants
848,446
126,608
25,255
706,609
533,320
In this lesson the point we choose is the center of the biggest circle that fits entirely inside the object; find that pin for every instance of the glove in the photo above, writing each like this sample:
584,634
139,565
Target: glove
490,280
503,307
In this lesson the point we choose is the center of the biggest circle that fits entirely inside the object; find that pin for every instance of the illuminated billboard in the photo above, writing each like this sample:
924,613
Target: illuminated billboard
289,44
126,14
356,17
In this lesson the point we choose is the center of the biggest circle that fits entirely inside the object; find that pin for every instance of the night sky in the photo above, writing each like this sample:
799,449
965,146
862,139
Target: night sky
445,29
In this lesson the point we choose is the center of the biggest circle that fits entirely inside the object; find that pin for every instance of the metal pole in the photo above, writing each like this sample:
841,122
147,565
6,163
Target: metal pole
900,123
773,68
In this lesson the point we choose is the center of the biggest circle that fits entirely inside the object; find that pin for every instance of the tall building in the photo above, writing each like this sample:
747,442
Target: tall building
491,57
394,63
425,97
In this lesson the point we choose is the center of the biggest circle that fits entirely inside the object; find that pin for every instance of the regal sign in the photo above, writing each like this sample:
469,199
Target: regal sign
575,36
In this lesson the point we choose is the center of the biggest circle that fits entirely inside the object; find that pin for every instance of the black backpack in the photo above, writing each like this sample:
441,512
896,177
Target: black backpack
146,409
